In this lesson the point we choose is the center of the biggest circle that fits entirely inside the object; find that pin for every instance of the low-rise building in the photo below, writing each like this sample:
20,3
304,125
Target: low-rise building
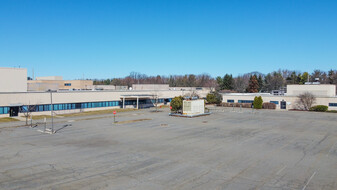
324,94
12,103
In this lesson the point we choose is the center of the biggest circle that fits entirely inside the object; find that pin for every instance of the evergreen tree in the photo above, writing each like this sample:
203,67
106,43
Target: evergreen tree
331,76
258,102
253,86
260,82
220,83
304,78
228,82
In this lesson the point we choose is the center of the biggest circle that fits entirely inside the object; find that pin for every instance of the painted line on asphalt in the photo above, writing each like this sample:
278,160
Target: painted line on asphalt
280,170
312,176
331,149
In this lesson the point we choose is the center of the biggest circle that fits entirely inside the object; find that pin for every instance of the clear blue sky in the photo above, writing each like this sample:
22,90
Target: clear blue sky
105,39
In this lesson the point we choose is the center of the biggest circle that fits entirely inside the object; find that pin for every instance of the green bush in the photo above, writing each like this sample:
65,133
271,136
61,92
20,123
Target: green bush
177,103
319,108
213,98
258,102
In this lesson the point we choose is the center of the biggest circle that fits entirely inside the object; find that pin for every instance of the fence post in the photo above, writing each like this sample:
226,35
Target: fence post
31,121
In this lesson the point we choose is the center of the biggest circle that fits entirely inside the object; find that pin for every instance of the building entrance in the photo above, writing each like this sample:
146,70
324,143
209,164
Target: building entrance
283,105
14,111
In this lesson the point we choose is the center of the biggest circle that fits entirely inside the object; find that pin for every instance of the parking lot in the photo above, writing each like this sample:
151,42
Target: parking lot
151,150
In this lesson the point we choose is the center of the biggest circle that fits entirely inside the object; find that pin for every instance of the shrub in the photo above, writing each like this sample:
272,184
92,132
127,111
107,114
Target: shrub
268,105
332,111
319,108
258,102
243,105
177,103
213,98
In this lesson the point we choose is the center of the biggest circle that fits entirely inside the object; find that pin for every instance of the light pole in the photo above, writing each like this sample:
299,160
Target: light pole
52,110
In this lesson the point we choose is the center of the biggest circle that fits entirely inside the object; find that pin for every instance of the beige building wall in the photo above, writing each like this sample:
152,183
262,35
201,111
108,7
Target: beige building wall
50,78
77,96
319,90
44,85
13,80
150,87
76,84
107,87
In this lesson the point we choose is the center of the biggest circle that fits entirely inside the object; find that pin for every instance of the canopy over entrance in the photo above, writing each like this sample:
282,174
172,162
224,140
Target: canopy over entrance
137,98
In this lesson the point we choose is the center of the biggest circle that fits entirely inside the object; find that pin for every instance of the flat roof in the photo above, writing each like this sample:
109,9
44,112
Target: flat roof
138,96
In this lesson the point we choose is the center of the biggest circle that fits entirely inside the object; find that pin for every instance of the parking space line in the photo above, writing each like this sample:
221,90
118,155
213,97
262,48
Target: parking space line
312,176
331,149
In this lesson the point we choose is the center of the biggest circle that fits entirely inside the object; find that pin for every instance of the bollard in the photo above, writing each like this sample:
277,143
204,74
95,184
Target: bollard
240,108
233,107
31,121
45,124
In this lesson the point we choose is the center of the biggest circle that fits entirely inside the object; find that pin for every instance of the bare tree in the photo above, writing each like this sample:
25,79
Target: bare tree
192,95
240,84
306,100
27,111
211,84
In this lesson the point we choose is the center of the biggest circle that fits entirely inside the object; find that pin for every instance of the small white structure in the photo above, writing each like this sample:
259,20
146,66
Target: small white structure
193,107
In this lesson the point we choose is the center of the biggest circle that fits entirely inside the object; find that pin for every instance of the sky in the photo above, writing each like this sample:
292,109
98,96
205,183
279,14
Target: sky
108,39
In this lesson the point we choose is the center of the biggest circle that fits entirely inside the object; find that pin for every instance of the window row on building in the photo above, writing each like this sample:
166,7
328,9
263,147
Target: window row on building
245,101
249,101
333,104
4,110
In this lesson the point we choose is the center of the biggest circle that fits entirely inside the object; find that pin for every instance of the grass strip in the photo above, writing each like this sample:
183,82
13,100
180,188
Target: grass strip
98,112
7,119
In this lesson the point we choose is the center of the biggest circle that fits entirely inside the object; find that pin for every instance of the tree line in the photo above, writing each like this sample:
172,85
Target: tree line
249,82
188,80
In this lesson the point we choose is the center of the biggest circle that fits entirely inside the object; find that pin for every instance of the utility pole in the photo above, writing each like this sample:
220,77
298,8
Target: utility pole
51,108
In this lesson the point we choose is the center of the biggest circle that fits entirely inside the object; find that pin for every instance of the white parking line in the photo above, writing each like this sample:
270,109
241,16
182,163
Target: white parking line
309,181
280,170
331,149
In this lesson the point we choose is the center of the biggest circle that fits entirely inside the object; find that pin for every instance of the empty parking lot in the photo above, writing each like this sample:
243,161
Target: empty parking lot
147,150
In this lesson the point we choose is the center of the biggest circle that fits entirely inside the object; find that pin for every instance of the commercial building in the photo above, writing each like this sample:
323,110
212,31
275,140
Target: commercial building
325,95
54,94
13,103
13,79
